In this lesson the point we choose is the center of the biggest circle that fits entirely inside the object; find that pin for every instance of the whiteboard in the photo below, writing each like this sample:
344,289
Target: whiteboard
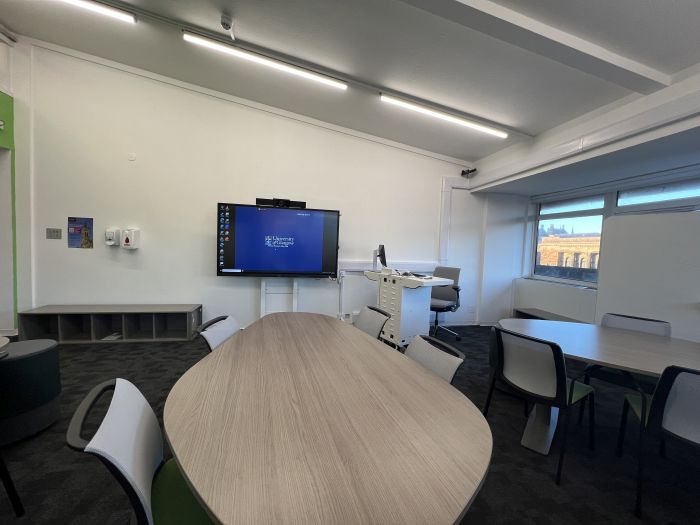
650,267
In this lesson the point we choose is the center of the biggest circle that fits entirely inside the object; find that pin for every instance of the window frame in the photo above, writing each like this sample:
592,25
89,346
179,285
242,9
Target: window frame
609,209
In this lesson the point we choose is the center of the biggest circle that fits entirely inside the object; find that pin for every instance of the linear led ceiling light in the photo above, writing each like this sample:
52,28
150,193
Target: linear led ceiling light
445,116
259,59
102,9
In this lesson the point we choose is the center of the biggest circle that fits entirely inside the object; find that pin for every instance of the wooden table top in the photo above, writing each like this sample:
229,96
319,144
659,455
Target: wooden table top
301,418
3,341
622,349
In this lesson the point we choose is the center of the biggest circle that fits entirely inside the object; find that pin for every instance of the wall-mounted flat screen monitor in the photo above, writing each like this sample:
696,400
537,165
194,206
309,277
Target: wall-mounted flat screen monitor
276,242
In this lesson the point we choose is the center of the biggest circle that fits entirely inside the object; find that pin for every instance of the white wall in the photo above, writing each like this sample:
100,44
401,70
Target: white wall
5,68
194,148
505,223
464,239
576,302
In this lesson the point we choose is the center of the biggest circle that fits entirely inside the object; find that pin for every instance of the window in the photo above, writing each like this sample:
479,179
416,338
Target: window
568,231
568,239
660,193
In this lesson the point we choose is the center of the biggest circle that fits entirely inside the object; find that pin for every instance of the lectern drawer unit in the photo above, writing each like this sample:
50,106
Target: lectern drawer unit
407,299
111,323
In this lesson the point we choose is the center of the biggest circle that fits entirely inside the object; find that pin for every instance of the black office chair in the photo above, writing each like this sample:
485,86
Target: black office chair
445,298
671,413
9,485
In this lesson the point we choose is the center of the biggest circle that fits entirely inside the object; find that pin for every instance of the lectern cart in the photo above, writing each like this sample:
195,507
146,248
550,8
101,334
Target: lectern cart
407,299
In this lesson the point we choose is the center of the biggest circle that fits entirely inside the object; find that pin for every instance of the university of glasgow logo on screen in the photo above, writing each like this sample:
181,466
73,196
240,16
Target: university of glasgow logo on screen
275,241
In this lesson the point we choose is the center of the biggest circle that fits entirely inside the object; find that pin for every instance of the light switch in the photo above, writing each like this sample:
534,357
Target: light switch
54,233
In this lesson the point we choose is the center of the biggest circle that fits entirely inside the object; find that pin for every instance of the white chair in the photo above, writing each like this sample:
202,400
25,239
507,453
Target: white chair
372,320
217,330
637,324
535,371
672,412
129,442
441,358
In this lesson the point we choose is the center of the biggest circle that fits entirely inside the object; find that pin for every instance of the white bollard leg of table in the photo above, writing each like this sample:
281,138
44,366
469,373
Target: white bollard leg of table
540,428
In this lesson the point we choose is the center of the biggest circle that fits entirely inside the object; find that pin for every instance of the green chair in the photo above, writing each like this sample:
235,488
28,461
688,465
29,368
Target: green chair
129,442
618,377
535,371
672,412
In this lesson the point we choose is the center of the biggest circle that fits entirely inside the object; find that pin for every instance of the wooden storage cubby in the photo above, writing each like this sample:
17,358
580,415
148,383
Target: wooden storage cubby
108,327
171,326
111,323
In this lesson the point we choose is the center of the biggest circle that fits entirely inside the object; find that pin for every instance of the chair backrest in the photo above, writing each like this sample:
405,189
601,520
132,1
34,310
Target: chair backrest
441,358
372,320
637,324
445,293
534,367
128,441
674,407
218,332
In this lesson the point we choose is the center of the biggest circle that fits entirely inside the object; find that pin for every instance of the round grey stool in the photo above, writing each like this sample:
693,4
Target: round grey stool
30,385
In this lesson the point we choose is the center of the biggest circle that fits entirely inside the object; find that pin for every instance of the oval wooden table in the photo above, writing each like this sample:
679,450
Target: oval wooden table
598,345
301,418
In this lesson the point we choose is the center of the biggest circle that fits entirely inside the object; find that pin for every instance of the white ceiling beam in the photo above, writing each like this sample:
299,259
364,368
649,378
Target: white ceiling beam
515,28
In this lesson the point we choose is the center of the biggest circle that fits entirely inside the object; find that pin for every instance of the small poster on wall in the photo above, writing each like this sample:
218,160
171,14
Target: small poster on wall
80,232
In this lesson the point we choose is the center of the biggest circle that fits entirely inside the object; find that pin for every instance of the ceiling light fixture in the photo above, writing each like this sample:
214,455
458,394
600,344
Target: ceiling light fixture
259,59
102,9
445,116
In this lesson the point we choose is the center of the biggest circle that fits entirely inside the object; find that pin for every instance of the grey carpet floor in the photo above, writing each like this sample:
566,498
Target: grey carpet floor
59,486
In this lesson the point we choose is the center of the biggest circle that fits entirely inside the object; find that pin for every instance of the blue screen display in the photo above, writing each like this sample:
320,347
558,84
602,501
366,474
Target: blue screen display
276,241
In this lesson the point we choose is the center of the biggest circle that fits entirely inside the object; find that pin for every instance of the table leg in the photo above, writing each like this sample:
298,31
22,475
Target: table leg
540,428
10,489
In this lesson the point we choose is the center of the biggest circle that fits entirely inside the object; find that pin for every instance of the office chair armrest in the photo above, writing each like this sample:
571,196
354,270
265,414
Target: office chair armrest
457,289
210,322
380,310
447,348
75,428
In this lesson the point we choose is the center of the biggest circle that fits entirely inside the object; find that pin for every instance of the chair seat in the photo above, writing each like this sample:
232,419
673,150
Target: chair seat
172,501
581,390
616,377
441,305
635,401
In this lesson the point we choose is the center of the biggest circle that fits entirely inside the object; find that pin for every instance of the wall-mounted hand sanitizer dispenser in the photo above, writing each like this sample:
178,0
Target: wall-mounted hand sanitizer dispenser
113,237
131,238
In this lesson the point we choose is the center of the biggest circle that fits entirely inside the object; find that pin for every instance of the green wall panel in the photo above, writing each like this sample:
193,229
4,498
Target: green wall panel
7,140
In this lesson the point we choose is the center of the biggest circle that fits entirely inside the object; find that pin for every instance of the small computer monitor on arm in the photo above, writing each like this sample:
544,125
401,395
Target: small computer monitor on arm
381,254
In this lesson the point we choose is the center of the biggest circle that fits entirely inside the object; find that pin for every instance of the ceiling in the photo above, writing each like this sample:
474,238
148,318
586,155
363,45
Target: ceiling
662,158
660,33
401,46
